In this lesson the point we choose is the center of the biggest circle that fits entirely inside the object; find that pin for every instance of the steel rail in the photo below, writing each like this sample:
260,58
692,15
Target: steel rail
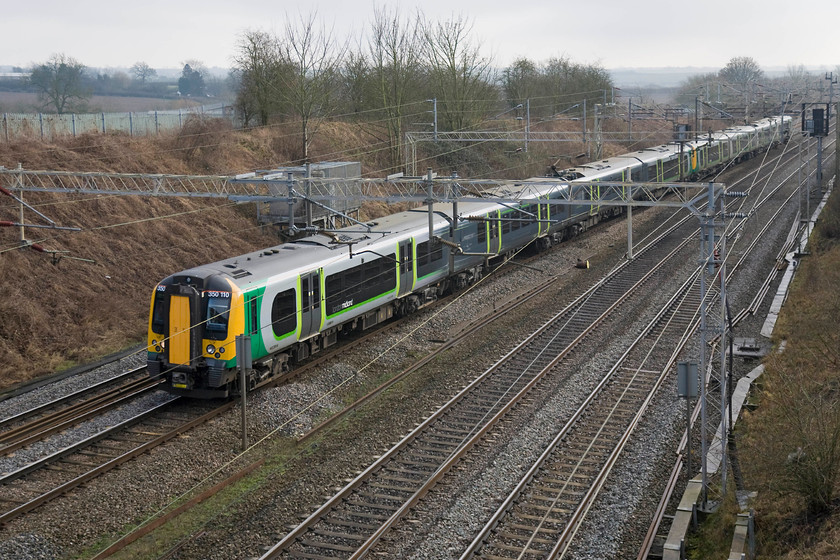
572,423
48,425
346,492
69,450
659,515
66,398
113,463
577,519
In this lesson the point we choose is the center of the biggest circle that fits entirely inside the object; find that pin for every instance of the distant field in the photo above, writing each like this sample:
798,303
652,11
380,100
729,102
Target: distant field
15,102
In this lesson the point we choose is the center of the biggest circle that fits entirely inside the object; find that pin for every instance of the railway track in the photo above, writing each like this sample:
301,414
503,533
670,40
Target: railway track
297,372
651,544
335,529
42,421
353,520
56,474
541,516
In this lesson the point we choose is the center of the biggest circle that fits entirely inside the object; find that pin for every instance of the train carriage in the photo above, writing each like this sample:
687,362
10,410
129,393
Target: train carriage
295,299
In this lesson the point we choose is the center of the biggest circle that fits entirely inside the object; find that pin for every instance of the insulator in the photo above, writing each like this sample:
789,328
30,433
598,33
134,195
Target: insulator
37,247
6,191
4,223
448,243
736,194
740,215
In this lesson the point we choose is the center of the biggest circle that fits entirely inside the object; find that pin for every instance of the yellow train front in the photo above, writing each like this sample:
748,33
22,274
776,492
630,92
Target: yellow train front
194,319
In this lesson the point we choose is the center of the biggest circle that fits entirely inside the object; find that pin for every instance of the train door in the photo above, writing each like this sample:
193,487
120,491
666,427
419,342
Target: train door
543,215
495,244
179,330
406,266
594,194
310,304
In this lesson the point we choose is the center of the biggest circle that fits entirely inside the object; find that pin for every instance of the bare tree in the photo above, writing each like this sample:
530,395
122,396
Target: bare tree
143,71
796,81
743,72
59,81
564,80
258,63
313,58
395,46
459,72
357,84
520,81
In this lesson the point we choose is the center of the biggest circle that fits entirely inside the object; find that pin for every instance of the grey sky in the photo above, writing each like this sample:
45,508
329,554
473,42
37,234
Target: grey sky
613,33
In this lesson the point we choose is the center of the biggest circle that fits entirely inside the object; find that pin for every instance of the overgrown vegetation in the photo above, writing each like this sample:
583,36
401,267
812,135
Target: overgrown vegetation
791,442
59,314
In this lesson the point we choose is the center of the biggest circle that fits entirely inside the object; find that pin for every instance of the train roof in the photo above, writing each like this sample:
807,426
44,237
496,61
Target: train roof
298,255
385,232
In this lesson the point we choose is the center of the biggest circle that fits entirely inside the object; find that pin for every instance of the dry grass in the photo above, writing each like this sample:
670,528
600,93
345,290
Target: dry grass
798,509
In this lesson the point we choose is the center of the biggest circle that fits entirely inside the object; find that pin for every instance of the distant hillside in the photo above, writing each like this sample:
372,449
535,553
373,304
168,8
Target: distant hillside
672,76
660,77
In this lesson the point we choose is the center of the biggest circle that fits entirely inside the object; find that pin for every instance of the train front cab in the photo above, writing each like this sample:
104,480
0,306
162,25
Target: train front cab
191,335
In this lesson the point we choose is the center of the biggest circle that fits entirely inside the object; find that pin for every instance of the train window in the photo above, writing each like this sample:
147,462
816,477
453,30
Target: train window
333,293
352,282
255,328
671,169
304,289
218,310
283,313
405,257
481,237
524,216
159,314
429,252
360,283
380,277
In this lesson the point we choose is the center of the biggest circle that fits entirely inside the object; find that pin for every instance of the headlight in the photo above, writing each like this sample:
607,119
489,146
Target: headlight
154,342
211,349
222,350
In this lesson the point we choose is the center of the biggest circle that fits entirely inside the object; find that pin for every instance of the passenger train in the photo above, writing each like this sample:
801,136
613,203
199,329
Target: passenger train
297,298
